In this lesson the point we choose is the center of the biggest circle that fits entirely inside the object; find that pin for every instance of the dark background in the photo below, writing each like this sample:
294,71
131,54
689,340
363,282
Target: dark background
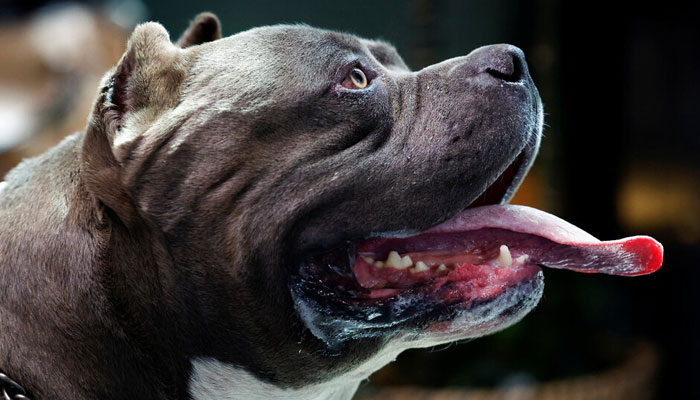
621,156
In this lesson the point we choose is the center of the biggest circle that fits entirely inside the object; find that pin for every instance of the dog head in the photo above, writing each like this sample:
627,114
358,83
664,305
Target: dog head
276,175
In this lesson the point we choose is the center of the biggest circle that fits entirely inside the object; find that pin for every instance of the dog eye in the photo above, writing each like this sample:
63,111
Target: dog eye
356,79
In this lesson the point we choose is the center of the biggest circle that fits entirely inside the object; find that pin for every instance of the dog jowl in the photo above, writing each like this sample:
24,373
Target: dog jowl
277,214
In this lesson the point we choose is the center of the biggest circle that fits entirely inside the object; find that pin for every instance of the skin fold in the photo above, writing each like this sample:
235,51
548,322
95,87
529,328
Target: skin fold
167,231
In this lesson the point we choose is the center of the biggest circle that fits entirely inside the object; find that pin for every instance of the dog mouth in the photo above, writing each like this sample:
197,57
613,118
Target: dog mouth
482,266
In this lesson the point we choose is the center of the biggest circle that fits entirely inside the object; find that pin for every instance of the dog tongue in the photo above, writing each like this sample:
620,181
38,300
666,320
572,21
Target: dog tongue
572,248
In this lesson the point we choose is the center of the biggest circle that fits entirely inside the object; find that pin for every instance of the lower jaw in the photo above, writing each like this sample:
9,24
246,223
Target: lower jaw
421,317
484,317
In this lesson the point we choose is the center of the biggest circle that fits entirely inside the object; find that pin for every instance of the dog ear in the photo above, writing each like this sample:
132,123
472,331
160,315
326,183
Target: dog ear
204,28
148,74
144,84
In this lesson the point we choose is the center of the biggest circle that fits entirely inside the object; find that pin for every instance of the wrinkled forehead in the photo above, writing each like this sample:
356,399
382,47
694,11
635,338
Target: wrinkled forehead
270,65
385,54
284,47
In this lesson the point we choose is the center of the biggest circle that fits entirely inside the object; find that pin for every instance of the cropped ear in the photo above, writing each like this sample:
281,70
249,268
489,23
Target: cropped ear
204,28
144,84
149,73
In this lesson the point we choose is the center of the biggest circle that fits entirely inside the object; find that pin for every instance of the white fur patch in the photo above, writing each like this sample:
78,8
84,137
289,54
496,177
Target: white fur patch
214,380
2,186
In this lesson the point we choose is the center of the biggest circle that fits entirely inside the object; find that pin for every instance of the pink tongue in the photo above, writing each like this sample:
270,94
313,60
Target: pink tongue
631,256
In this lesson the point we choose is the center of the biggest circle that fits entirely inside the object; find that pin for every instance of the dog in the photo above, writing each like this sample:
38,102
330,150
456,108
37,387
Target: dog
277,214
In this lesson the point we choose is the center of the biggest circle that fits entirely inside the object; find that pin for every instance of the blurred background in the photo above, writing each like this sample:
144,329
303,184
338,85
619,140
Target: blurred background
621,156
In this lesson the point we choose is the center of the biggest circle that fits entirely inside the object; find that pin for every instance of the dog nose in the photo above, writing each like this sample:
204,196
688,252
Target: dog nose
502,61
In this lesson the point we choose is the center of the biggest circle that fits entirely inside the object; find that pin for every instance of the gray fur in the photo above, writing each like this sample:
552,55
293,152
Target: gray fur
162,233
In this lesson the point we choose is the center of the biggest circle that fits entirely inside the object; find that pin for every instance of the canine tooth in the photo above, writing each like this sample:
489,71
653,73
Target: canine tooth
504,257
522,259
379,264
406,261
442,268
394,260
368,260
420,267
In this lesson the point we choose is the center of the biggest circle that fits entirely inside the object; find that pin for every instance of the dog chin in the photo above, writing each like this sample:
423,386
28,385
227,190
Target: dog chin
416,319
485,317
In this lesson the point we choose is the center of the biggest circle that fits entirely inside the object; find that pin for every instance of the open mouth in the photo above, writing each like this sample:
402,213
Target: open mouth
486,253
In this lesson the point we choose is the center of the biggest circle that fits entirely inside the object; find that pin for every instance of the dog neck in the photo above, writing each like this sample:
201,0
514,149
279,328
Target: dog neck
212,379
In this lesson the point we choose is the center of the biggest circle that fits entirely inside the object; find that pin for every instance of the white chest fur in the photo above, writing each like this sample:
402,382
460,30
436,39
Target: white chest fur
214,380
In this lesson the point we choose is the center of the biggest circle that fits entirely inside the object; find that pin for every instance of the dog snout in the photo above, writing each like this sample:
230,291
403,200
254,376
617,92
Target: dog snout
504,62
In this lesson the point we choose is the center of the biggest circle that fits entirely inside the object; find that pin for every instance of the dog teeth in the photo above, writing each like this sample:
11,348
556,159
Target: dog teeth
522,259
504,257
368,260
394,260
420,267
